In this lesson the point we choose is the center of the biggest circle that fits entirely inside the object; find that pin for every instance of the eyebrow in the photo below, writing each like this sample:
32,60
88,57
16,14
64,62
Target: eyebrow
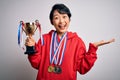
57,14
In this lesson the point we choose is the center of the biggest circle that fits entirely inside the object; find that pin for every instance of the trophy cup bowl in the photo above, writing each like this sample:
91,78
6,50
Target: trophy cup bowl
29,29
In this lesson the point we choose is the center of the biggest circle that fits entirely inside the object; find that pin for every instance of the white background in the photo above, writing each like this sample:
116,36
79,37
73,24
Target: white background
93,20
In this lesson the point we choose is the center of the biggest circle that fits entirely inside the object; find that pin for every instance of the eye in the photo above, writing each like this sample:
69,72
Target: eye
64,16
56,18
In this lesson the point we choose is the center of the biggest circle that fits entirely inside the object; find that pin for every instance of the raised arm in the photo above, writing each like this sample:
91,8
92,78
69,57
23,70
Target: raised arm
35,57
85,60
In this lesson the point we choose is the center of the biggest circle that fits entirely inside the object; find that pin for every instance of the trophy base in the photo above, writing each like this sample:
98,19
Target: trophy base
30,50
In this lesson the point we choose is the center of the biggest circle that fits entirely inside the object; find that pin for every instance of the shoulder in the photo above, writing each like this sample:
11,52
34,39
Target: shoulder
48,34
73,37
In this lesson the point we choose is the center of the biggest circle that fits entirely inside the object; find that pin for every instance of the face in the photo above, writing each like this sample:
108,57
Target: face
60,22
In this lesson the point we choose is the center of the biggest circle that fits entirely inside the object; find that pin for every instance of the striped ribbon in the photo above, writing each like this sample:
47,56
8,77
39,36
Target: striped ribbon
56,47
20,34
40,31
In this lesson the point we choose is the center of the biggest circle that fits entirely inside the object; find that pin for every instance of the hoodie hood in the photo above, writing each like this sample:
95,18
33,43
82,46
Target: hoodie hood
72,35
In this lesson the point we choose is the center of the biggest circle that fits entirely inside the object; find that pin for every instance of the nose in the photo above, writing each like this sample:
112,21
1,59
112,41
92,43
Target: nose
61,20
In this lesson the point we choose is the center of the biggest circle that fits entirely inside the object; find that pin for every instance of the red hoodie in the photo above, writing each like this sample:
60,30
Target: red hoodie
75,58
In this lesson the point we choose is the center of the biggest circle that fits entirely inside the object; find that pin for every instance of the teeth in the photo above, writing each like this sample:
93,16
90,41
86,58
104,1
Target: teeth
62,27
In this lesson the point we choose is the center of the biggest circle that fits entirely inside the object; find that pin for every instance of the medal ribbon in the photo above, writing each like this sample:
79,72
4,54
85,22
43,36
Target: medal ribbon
57,48
64,47
20,34
51,49
40,31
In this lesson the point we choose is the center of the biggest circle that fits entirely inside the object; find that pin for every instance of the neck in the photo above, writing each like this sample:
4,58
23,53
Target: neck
60,34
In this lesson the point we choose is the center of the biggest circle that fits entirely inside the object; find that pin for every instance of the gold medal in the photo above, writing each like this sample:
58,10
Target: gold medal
50,68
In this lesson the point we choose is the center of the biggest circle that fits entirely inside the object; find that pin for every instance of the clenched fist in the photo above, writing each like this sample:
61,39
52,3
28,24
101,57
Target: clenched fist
29,41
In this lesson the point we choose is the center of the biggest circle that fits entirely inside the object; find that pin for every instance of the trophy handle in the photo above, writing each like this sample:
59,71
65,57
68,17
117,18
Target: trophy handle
35,28
37,25
23,26
24,29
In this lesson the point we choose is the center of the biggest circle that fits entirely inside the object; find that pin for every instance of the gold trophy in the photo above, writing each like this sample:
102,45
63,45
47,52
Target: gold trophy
29,29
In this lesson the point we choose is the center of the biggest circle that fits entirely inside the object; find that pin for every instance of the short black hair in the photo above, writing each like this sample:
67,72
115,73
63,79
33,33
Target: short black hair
61,8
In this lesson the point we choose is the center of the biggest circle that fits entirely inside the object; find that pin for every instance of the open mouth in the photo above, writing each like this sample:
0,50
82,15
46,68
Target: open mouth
62,27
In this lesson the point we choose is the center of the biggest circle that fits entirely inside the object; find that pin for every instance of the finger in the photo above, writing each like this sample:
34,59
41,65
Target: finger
106,42
27,40
30,37
112,40
102,42
28,44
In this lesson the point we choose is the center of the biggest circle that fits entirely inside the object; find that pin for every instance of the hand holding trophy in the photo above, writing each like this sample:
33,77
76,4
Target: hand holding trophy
29,29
